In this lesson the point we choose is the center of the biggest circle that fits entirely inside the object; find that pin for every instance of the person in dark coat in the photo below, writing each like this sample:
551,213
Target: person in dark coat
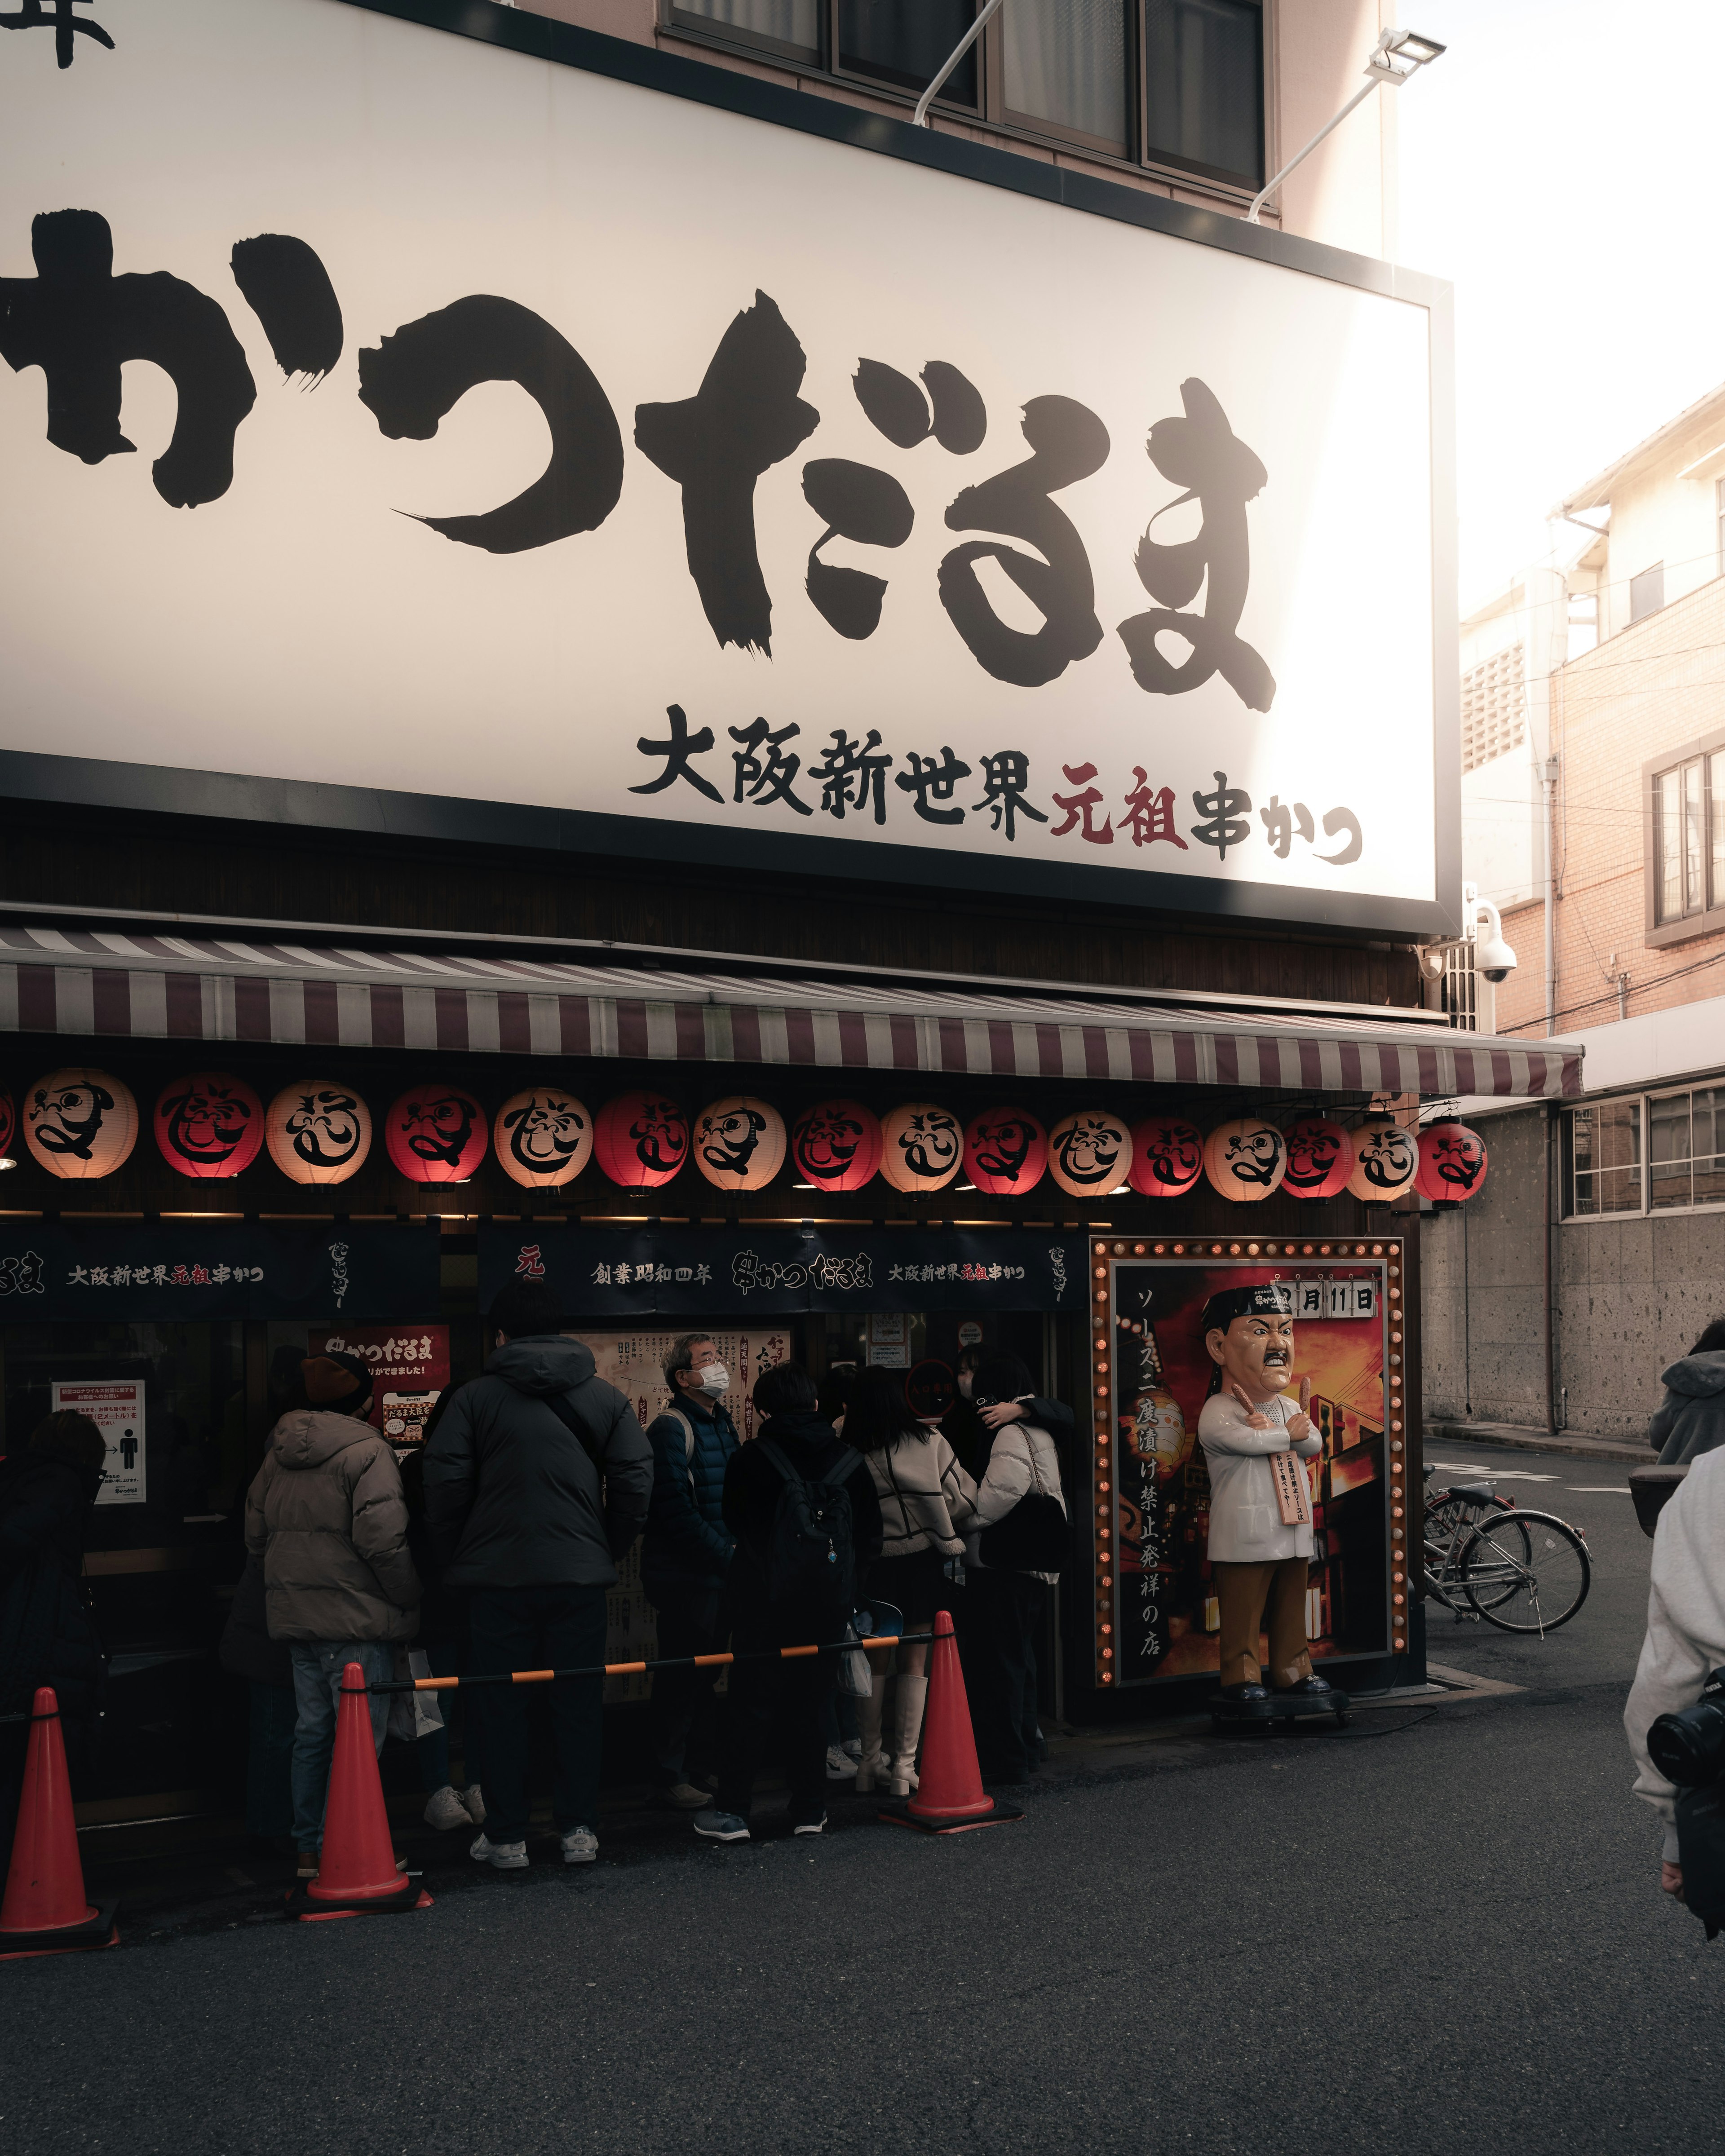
247,1650
793,1695
536,1479
684,1561
47,1633
1691,1419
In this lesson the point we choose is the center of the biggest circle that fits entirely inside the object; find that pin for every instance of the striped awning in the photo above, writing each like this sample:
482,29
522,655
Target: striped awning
131,985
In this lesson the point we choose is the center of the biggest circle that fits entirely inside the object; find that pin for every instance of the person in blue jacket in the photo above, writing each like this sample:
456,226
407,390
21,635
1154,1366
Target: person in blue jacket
684,1561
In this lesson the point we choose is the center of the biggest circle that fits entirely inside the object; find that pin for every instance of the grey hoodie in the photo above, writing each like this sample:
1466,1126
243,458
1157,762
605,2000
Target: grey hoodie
1692,1419
513,1496
325,1514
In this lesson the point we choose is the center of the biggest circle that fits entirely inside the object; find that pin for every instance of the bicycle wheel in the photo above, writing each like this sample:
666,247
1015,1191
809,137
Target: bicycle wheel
1525,1572
1449,1520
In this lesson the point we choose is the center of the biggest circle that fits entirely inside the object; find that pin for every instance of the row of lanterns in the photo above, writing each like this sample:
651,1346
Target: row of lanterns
83,1124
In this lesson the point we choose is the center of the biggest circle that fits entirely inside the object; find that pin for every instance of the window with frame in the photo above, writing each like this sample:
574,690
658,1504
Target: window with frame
1689,839
1173,82
1602,1159
1646,593
1685,1148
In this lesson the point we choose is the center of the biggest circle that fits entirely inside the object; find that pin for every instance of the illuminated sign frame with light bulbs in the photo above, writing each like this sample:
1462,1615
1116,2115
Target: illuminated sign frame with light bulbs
1114,1260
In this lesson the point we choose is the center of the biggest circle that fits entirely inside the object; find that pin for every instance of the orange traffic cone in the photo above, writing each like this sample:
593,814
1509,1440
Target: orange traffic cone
46,1910
357,1872
949,1799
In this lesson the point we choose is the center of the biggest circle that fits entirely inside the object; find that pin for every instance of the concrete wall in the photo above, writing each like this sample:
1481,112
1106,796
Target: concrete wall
1631,1295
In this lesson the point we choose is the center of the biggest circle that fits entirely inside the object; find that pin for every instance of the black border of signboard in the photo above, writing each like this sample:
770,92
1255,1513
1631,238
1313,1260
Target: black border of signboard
163,790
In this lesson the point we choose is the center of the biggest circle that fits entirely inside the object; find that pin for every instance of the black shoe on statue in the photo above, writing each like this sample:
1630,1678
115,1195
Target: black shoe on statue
1303,1688
1244,1694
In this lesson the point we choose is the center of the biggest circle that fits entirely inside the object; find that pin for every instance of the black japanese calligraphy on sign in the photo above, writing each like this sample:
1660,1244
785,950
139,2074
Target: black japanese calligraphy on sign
80,324
854,501
1005,775
1224,814
745,417
931,781
1200,454
953,411
676,752
766,780
1082,806
64,23
286,286
1068,443
851,775
414,378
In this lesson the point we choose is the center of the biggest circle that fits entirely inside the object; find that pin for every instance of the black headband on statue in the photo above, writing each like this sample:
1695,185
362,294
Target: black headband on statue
1271,1299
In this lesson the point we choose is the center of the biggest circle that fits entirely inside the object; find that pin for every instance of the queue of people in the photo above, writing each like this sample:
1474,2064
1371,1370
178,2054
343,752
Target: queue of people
494,1547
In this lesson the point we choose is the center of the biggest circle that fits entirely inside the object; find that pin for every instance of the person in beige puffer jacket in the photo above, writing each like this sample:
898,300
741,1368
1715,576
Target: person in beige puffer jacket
326,1515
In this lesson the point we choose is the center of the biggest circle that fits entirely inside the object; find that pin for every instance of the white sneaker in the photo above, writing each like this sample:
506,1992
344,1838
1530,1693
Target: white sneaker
581,1844
840,1766
446,1810
474,1802
501,1855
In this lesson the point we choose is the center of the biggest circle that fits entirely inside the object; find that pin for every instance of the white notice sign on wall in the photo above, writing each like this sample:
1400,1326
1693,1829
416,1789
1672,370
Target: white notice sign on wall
117,1408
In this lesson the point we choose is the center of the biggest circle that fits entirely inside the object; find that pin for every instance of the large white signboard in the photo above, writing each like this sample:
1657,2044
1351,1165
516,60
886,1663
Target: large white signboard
512,433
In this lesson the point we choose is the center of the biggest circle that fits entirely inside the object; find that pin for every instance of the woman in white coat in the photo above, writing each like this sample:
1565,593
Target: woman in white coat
1004,1606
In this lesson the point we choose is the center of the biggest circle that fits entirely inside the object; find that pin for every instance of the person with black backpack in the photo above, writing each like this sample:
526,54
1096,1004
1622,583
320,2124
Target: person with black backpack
802,1505
536,1481
1014,1550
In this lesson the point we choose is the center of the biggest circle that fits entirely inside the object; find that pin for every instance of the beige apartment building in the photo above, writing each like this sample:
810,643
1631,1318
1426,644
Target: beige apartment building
1594,807
1197,100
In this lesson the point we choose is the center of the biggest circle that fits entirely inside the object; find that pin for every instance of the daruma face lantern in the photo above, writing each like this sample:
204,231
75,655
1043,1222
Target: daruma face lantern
436,1134
1168,1157
318,1131
921,1146
1245,1159
1089,1152
543,1137
1320,1158
641,1140
79,1125
210,1126
836,1145
1386,1158
739,1143
9,1125
1005,1151
1452,1162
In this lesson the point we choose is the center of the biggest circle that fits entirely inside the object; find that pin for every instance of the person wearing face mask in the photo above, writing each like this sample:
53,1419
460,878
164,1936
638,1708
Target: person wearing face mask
684,1563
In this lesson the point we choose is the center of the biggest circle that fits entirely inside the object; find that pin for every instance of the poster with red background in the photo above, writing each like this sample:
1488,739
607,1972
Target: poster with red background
409,1366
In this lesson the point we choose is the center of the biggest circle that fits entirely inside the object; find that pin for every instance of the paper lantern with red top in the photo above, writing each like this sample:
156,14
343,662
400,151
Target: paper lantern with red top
739,1142
9,1125
1167,1157
210,1126
1386,1159
921,1147
318,1130
641,1140
1005,1151
435,1133
543,1137
1453,1161
80,1125
835,1145
1089,1152
1320,1158
1245,1159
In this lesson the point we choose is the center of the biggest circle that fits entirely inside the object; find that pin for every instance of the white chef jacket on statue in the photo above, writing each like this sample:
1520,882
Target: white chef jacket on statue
1245,1520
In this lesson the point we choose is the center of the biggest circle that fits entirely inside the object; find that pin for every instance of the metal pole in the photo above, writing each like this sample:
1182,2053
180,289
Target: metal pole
1549,782
1264,193
919,118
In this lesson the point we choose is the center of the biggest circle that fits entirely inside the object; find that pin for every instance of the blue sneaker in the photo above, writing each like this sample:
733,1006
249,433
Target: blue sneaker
721,1826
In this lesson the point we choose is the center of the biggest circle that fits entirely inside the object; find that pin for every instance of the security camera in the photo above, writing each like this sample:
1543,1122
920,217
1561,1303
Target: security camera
1495,959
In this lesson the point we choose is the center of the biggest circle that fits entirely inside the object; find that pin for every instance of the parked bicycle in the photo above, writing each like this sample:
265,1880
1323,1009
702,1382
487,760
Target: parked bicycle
1486,1556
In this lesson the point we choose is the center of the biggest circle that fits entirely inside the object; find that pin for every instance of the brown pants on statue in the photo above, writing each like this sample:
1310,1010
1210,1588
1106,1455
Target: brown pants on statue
1243,1590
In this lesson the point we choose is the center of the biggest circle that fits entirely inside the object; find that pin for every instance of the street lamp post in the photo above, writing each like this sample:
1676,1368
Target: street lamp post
1397,54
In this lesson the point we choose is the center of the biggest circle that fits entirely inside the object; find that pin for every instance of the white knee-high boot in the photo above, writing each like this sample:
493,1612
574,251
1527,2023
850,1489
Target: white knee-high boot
872,1771
906,1729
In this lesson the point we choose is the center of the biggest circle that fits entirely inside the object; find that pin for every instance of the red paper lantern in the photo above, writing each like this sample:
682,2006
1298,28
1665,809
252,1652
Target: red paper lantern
210,1126
543,1137
435,1133
641,1140
1320,1158
836,1145
922,1146
1090,1153
1167,1157
9,1125
739,1142
1245,1159
80,1125
1005,1151
1453,1161
318,1130
1386,1159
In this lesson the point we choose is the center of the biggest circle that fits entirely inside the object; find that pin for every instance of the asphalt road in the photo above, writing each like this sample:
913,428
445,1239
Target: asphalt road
1419,1933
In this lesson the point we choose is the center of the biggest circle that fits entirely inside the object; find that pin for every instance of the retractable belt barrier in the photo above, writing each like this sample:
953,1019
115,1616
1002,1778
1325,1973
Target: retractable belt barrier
639,1669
